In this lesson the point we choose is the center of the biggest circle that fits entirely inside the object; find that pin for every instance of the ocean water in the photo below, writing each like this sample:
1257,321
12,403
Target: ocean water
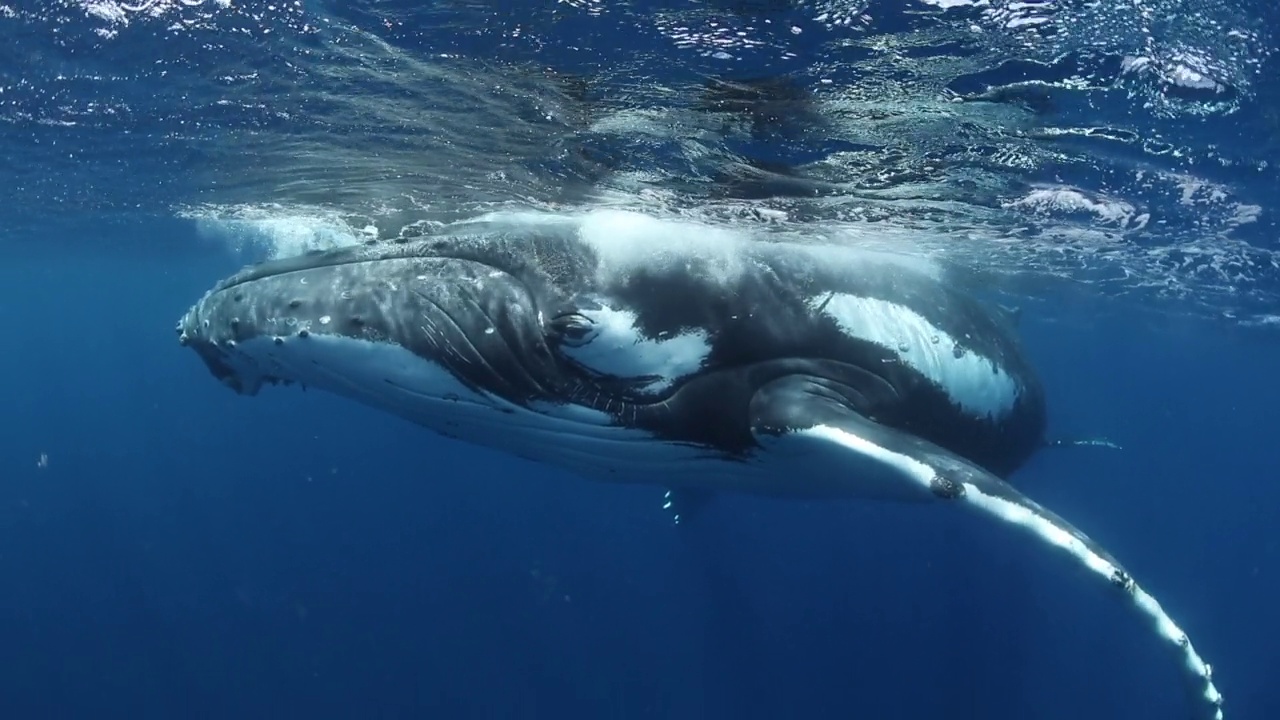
171,550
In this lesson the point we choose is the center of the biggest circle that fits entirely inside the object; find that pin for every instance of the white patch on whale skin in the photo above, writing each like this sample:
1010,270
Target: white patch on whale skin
973,382
617,348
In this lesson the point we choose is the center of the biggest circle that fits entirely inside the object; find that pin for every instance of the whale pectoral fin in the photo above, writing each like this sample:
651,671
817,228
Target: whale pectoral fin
818,432
684,504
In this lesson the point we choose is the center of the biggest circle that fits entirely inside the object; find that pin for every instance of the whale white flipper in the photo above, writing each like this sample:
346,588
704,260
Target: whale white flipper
810,419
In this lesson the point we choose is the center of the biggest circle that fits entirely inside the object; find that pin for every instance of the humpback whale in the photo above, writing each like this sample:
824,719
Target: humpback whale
628,349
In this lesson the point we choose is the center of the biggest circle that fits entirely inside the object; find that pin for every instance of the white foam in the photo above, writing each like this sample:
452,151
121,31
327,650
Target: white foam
627,241
1067,200
277,231
973,382
620,350
845,248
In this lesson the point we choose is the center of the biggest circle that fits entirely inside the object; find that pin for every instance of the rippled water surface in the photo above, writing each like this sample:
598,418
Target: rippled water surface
1124,148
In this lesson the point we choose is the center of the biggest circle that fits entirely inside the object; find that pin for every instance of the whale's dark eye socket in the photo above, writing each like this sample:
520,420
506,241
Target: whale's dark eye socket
573,329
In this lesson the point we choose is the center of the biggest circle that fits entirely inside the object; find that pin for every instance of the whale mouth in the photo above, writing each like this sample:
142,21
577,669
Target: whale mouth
281,322
222,364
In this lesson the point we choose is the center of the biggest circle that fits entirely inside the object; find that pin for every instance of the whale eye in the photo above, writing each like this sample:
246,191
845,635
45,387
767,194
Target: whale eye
573,329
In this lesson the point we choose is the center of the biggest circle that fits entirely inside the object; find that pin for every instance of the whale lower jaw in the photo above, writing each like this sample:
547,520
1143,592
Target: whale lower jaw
581,440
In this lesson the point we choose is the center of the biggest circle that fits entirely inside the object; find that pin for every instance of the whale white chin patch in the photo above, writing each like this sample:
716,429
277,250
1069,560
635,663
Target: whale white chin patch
975,383
382,373
618,349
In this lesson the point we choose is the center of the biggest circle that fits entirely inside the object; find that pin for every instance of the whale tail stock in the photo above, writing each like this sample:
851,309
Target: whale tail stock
820,426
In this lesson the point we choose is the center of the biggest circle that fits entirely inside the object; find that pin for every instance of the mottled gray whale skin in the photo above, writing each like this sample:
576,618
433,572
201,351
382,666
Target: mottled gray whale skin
545,319
628,349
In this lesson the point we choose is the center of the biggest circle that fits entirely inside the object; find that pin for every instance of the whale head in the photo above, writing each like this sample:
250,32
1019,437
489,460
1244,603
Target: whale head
560,331
404,327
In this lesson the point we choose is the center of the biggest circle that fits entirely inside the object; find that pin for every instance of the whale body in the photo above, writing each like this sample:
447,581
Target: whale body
627,349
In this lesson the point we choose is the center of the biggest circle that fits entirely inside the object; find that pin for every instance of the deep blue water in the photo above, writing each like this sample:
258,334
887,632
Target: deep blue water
185,552
191,553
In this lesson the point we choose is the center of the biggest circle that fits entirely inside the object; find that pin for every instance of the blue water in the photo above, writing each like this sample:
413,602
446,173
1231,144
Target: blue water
171,550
